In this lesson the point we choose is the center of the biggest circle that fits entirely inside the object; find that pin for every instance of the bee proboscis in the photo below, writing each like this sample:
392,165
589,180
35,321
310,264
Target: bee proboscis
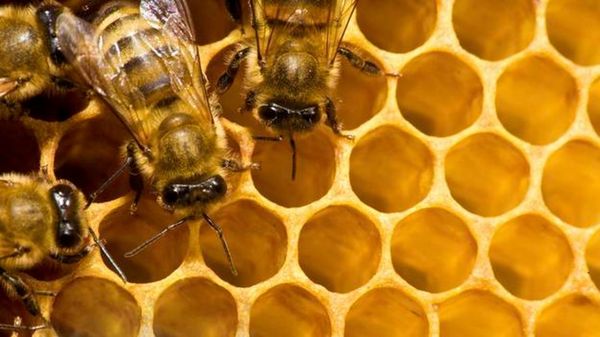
144,62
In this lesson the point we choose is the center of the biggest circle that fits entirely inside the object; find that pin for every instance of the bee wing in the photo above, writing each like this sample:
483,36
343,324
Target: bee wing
174,19
7,85
277,20
325,21
80,46
340,15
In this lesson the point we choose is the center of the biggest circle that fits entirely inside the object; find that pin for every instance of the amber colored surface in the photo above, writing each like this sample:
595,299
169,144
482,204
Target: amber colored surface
467,205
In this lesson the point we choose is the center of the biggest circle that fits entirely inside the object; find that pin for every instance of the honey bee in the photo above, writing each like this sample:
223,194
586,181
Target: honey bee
40,219
293,64
30,62
145,64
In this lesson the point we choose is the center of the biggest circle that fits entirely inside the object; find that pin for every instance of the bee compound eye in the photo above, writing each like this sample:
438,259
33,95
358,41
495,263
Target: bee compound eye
311,114
219,185
270,112
171,194
214,187
68,236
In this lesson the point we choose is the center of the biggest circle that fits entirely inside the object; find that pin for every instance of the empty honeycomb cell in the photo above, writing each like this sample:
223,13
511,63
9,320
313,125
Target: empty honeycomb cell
87,144
386,312
530,257
315,169
123,232
19,151
11,310
95,307
339,248
390,170
50,270
486,174
211,19
574,29
494,29
195,307
433,250
439,94
536,100
594,105
573,315
571,183
257,239
592,257
358,96
57,107
289,310
397,25
477,313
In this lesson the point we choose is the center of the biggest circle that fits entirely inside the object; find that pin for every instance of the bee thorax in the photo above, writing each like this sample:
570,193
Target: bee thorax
25,45
174,121
296,69
185,146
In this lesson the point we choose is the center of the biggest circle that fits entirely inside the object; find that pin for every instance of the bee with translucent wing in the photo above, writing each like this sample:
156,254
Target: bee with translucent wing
144,62
40,219
293,64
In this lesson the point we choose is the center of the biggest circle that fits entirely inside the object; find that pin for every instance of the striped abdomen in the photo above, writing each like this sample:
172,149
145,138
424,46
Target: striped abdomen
137,54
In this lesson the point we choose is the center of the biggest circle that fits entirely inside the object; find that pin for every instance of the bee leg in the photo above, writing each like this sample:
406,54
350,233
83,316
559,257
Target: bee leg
268,138
249,102
235,166
18,327
359,62
108,181
22,290
157,236
126,163
332,120
215,226
136,182
45,293
225,80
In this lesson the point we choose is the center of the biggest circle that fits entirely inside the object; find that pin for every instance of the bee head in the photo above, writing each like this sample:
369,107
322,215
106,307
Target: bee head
66,205
281,117
186,194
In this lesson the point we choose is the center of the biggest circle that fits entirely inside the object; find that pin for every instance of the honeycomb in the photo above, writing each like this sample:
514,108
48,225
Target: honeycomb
467,206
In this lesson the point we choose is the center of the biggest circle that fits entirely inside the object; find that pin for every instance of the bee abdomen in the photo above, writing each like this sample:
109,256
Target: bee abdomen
110,8
137,52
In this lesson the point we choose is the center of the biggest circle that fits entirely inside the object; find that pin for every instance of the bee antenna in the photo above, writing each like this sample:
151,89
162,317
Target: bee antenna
155,237
293,146
109,257
18,327
221,236
17,252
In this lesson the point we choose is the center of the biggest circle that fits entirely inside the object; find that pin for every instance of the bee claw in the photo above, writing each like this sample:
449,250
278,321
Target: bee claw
394,75
133,209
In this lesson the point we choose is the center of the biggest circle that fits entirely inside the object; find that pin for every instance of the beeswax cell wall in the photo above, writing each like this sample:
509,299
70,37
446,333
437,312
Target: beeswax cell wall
467,205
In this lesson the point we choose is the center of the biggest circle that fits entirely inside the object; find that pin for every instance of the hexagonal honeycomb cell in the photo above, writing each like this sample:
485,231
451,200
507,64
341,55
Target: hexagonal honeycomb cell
467,205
